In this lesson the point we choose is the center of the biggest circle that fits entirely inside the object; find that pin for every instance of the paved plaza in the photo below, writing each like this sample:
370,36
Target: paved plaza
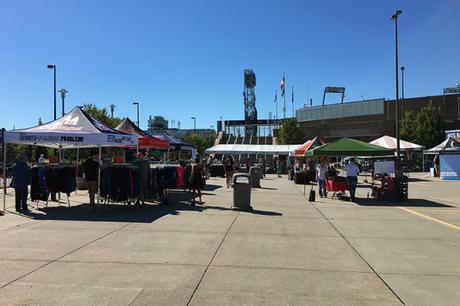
287,251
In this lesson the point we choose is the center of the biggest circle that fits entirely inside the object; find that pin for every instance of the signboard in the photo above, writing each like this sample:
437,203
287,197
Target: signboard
384,167
253,122
450,166
452,90
335,89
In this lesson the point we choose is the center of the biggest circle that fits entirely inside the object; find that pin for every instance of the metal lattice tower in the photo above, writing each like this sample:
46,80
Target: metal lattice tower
250,110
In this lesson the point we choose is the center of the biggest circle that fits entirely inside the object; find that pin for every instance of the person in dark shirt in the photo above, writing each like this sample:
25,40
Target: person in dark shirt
21,179
91,169
143,166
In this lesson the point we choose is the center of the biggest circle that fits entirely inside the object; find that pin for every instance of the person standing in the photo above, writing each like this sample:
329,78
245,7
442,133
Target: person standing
352,171
229,170
197,180
21,181
278,168
143,172
91,169
321,171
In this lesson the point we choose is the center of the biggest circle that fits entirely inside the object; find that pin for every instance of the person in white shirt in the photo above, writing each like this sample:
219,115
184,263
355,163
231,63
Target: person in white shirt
352,171
321,171
41,159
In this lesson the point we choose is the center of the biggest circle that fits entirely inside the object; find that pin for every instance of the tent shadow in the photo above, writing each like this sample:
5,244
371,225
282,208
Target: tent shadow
178,202
407,203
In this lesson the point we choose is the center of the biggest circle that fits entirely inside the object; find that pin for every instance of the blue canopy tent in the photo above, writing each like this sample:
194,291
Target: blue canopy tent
174,143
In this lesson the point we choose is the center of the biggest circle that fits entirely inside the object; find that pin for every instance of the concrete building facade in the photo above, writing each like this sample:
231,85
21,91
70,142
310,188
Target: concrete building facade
368,120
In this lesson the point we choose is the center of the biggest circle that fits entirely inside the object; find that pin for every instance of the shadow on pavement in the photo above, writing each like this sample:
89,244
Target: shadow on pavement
407,203
117,212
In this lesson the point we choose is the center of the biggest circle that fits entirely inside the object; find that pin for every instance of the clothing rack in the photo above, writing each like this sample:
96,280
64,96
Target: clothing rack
52,167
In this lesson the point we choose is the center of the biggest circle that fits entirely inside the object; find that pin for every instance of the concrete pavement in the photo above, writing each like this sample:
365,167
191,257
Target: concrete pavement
287,251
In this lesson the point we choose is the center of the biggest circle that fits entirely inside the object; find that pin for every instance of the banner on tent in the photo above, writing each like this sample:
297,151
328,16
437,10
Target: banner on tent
70,139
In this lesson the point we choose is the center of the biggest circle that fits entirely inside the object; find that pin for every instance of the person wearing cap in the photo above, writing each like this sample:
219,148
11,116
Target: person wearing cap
41,159
21,180
352,171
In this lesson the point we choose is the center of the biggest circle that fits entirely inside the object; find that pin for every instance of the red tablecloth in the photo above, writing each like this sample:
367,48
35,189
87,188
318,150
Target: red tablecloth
336,185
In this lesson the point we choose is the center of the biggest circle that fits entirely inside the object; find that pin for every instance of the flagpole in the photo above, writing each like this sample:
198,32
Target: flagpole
293,111
276,103
284,96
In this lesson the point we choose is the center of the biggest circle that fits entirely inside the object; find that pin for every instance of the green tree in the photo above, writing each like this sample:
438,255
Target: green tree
408,127
290,133
200,143
102,115
429,126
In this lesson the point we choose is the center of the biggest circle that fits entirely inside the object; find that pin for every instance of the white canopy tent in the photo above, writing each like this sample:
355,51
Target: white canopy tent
74,130
252,149
390,143
449,145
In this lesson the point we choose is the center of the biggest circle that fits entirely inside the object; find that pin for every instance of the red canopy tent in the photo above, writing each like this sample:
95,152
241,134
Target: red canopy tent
310,144
145,140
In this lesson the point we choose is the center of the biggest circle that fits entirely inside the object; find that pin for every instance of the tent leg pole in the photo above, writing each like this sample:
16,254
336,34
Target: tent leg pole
99,178
4,172
78,160
423,162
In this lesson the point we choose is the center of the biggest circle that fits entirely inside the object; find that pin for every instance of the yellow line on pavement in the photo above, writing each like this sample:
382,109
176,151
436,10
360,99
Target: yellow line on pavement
430,218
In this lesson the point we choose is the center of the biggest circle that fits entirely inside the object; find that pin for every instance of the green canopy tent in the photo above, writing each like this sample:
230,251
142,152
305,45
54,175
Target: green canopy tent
349,147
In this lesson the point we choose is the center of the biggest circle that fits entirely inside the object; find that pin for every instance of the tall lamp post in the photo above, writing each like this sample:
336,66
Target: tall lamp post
398,145
54,70
137,105
402,90
62,91
194,124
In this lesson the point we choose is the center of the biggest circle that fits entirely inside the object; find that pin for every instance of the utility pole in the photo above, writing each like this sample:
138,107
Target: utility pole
398,148
54,91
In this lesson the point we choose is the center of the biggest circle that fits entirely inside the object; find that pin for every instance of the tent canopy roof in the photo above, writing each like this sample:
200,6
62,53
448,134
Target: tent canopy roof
174,143
390,143
73,130
310,144
251,149
145,140
449,145
349,147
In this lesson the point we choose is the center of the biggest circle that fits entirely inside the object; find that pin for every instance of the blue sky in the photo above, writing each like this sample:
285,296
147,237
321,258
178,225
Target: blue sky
186,58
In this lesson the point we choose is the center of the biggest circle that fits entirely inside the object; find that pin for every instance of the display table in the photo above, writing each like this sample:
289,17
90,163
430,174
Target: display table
301,178
217,170
336,186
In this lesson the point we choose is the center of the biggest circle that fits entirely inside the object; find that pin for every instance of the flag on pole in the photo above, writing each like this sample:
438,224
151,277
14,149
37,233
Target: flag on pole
292,95
282,85
276,96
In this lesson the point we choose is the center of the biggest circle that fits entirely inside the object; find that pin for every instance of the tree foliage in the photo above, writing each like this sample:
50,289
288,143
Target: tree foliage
429,130
290,133
408,127
200,143
102,115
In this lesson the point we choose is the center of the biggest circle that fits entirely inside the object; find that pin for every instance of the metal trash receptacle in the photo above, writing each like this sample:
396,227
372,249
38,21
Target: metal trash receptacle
255,176
242,191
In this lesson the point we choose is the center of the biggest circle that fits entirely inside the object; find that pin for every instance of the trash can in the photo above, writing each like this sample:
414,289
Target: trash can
242,191
255,176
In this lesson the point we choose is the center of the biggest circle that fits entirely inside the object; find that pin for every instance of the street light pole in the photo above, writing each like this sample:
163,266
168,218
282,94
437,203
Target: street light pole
402,90
54,70
137,105
398,145
194,124
62,91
